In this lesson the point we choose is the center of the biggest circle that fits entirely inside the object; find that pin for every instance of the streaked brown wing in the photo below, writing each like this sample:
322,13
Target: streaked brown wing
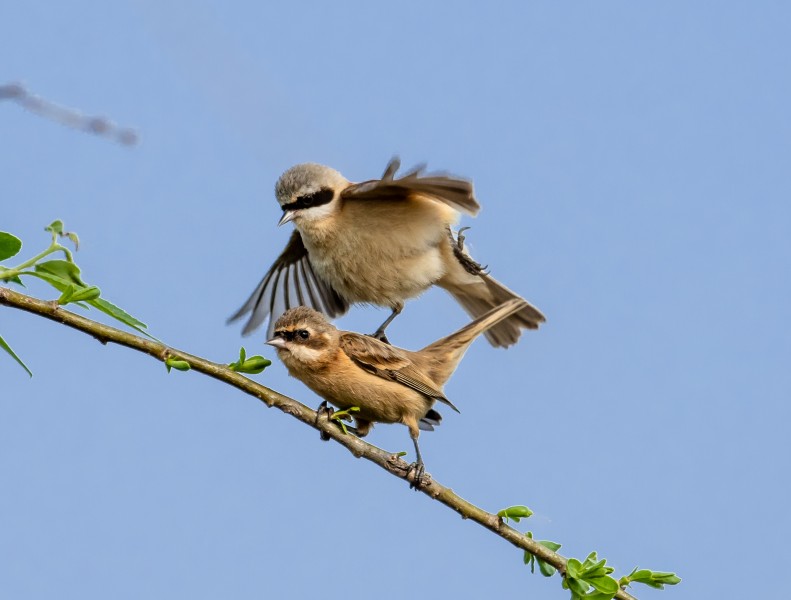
289,282
442,187
387,362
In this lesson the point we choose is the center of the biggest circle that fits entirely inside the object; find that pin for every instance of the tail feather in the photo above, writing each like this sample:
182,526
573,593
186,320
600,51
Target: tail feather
431,420
448,351
487,293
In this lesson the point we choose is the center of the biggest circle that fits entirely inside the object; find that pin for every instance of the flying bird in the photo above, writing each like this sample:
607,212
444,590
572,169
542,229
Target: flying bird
381,242
387,384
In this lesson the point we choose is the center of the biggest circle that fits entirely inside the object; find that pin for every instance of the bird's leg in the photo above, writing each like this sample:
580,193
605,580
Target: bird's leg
379,334
466,261
417,467
460,238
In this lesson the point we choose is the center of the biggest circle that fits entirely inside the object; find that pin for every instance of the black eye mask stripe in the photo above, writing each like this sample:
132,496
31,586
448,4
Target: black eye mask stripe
323,196
291,336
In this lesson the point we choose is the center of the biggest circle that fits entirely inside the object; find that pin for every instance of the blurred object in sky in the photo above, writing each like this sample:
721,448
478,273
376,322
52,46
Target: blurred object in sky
68,116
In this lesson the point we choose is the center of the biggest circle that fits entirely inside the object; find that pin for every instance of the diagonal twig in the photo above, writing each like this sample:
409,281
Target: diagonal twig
68,116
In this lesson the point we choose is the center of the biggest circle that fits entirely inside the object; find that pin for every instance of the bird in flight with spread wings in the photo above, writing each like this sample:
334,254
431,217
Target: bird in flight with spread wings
381,242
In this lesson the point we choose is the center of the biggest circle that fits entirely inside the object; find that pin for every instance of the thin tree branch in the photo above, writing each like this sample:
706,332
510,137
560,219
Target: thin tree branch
391,463
67,116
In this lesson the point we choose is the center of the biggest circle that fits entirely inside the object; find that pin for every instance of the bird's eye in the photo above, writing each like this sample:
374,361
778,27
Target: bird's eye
303,334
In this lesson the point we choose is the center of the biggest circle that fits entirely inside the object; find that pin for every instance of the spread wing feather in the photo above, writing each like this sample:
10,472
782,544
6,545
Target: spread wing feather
289,282
442,187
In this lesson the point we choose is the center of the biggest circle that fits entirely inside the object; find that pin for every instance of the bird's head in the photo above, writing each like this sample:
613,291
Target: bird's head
304,338
309,192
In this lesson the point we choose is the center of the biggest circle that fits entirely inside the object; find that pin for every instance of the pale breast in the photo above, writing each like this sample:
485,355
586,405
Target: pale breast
380,252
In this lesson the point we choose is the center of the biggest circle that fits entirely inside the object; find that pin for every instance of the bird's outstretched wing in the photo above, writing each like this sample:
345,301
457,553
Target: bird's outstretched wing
442,187
387,362
289,282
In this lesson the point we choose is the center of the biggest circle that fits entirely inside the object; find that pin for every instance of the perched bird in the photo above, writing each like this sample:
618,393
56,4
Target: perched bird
379,242
387,384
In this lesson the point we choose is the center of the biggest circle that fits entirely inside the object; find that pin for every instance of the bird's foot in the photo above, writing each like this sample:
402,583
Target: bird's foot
418,472
460,238
379,334
326,410
466,261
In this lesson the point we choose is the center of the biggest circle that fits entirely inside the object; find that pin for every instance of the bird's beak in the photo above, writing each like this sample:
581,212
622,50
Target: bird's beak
287,216
277,342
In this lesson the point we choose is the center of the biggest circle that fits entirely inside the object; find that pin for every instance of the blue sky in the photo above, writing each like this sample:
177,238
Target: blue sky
632,163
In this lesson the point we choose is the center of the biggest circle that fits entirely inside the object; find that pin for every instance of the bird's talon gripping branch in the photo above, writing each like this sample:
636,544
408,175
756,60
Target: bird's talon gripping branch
418,472
326,410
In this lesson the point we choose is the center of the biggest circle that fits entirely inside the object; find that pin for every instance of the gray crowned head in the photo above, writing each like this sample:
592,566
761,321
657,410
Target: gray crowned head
308,191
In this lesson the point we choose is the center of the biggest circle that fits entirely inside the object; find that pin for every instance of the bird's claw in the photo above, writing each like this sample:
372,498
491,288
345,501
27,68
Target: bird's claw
326,410
418,471
379,334
460,237
466,261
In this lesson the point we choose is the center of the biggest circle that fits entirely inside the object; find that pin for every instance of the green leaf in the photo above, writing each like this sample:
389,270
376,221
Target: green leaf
101,304
666,578
594,595
10,245
55,227
74,239
58,283
591,559
546,569
176,363
554,546
13,279
8,349
573,568
254,365
65,297
121,315
654,579
594,569
604,584
63,269
640,575
516,513
85,294
576,586
79,295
